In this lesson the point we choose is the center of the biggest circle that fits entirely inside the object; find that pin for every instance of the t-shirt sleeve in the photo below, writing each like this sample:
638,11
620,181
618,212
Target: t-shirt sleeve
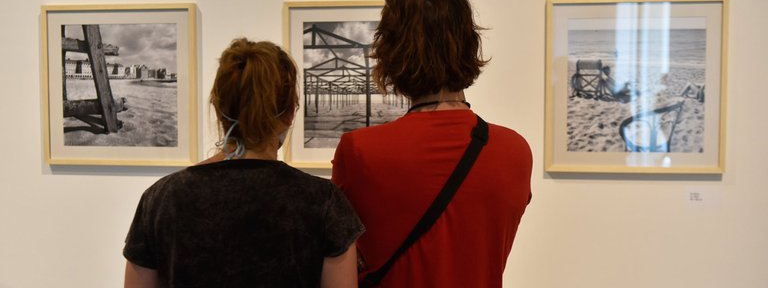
140,244
341,224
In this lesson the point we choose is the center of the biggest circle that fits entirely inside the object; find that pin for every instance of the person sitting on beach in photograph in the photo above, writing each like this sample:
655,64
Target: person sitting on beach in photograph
693,90
623,95
430,52
242,218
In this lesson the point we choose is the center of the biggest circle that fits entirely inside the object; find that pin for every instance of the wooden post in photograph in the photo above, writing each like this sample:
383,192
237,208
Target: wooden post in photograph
63,67
330,96
81,109
317,95
98,62
367,88
306,93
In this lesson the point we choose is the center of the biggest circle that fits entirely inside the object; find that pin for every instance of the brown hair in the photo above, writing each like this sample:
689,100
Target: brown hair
423,46
255,84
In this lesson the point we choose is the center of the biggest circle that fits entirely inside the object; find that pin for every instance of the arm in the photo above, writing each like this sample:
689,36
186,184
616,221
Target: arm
140,277
337,173
340,271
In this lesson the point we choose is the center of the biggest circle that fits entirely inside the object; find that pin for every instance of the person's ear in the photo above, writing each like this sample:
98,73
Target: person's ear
287,117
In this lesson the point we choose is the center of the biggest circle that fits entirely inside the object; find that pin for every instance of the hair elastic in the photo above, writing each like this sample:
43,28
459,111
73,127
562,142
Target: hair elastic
239,149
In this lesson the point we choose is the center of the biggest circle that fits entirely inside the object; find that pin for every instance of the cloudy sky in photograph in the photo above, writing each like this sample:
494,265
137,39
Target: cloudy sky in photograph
153,45
358,31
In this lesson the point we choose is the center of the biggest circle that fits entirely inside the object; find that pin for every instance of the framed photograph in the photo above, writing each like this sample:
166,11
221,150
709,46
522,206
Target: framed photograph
331,42
636,86
119,84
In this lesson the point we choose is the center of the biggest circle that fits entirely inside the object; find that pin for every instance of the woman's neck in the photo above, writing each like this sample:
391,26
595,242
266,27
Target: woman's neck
443,100
267,152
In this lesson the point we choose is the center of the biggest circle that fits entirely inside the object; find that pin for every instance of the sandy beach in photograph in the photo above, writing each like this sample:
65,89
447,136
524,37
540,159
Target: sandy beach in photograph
593,125
150,120
324,129
655,66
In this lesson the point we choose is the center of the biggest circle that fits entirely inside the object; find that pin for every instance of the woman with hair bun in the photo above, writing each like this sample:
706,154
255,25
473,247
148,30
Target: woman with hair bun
242,218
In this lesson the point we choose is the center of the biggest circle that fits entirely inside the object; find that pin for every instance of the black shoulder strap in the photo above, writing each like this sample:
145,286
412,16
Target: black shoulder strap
479,139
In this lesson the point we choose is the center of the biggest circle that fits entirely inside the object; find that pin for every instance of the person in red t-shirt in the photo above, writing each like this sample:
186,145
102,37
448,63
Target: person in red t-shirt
429,51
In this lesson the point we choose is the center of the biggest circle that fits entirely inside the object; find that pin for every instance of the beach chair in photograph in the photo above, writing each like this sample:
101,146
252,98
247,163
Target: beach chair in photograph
587,82
104,105
593,80
651,131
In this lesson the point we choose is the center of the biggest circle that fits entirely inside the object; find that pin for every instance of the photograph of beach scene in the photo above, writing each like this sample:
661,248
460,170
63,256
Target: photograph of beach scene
636,90
141,61
338,94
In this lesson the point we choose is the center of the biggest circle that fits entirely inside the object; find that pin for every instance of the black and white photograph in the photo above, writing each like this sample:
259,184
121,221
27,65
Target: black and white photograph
141,80
637,90
120,84
331,44
635,86
338,94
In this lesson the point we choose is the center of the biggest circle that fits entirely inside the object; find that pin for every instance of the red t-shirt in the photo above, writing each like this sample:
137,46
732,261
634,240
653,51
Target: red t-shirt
392,172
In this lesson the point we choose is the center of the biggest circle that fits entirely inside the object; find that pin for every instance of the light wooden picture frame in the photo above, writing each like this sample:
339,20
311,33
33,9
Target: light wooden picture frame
330,42
119,84
636,86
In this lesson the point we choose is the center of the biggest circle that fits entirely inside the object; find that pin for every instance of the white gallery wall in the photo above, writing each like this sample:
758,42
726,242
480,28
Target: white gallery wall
64,226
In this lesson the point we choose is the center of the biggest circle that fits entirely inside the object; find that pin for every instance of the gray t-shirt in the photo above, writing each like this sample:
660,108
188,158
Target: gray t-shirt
240,223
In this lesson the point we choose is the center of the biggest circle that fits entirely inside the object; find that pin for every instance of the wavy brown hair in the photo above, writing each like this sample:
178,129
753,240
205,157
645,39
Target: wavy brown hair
423,46
255,84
